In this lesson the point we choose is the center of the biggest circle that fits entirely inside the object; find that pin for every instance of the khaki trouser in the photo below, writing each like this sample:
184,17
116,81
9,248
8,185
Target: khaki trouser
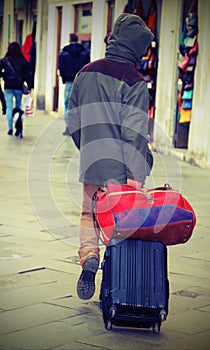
88,237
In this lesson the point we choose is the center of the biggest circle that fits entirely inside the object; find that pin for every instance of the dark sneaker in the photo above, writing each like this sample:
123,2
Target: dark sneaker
19,134
86,282
66,132
10,132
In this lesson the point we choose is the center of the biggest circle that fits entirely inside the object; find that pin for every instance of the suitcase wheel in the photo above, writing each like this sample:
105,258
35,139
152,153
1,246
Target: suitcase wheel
156,327
108,325
112,311
162,315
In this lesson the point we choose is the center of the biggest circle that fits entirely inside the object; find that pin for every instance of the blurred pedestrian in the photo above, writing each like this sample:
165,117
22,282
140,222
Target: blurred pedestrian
15,70
108,121
29,52
72,58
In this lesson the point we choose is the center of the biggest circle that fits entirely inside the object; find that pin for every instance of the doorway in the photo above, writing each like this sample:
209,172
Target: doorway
58,43
83,23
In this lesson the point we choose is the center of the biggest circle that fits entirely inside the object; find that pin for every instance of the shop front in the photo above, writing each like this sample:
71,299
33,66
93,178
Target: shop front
176,66
187,56
173,90
182,118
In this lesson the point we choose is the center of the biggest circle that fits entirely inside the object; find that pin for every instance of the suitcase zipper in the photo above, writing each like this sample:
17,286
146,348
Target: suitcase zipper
137,191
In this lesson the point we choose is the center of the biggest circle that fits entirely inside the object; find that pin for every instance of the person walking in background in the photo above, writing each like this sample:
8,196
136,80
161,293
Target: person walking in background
3,102
108,121
72,58
15,70
29,52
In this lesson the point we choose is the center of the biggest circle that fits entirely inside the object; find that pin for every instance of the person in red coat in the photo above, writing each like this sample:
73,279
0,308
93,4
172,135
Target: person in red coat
29,52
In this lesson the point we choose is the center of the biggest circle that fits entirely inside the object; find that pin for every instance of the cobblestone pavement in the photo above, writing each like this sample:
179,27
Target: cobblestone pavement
40,200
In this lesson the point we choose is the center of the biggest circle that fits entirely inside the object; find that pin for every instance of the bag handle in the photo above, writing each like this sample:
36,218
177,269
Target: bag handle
163,188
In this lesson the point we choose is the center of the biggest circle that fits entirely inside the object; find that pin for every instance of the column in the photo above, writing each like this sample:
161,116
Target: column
99,23
8,24
41,55
45,38
170,31
67,28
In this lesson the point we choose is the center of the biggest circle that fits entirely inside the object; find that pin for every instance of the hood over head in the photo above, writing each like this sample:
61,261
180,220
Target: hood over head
74,48
130,39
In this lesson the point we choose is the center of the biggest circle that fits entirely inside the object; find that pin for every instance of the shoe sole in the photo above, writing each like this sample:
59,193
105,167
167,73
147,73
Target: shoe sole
86,288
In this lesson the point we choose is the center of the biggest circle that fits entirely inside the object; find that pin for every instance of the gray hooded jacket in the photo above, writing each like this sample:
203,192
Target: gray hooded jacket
108,109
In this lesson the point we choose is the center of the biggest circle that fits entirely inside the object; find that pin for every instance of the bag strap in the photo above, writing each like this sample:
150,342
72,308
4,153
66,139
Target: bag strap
96,225
11,67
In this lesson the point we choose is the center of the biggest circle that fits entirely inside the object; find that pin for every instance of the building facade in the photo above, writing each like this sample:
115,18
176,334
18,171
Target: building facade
92,20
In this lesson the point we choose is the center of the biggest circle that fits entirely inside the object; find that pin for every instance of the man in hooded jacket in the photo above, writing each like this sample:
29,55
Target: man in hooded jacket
71,59
108,121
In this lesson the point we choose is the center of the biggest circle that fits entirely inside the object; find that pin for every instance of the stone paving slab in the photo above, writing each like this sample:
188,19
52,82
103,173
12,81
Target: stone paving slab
25,296
32,316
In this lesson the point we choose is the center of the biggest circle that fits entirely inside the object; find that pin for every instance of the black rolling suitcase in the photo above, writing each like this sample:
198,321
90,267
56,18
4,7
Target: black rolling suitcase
135,287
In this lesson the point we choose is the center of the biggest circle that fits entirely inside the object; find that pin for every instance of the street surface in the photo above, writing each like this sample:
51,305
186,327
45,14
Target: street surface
40,199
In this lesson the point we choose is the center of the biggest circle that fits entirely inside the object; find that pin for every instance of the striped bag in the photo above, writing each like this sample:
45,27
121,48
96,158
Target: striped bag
160,214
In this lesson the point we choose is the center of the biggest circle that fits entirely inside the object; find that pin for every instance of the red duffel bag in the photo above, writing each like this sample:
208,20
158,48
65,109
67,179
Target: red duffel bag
160,214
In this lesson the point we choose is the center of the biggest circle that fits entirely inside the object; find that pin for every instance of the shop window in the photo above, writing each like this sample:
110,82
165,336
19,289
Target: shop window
19,4
188,51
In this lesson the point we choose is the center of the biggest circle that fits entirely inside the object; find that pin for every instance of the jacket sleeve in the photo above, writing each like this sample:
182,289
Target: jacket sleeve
74,119
61,66
26,74
134,132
